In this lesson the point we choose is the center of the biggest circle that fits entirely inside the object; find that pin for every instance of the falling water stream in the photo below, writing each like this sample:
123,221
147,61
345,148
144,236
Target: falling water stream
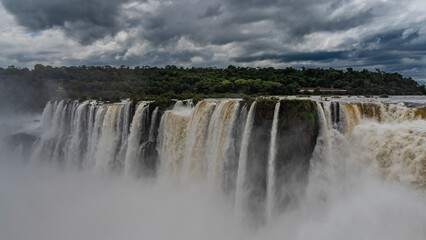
270,191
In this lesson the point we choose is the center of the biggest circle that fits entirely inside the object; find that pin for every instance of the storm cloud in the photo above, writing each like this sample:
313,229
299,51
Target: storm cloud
86,20
390,35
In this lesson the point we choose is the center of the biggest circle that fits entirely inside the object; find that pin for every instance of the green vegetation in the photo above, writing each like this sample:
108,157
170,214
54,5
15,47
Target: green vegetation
307,109
162,102
295,109
32,88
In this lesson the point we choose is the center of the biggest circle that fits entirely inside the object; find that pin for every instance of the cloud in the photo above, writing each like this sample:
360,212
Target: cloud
368,34
211,11
86,20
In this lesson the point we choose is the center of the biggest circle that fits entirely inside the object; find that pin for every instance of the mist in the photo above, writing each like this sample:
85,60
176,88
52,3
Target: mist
23,92
345,198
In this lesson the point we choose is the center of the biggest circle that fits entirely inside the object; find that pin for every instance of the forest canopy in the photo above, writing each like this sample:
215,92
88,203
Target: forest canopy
33,88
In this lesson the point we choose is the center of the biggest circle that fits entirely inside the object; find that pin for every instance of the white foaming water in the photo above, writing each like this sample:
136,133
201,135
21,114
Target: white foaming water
108,141
396,151
218,143
124,123
270,187
366,178
94,138
47,116
153,125
171,140
77,135
240,193
133,147
193,163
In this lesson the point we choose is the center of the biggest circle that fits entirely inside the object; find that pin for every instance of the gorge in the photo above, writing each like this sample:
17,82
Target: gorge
280,165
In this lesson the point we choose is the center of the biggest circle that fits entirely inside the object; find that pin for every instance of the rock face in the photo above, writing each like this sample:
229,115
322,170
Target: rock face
20,143
296,139
295,143
258,156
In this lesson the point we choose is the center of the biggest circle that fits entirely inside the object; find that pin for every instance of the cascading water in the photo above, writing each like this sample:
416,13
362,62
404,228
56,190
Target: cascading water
77,135
219,140
153,125
196,141
95,134
270,190
109,139
47,116
134,141
193,163
171,140
240,193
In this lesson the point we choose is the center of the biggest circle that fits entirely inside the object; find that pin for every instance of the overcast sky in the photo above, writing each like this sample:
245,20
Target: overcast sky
385,34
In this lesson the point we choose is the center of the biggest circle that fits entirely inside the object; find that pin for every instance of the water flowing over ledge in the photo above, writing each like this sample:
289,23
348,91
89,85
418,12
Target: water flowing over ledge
263,156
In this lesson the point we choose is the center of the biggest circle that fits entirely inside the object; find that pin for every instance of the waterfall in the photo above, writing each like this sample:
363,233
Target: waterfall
109,140
90,128
352,117
44,145
133,153
322,148
270,190
47,116
74,153
171,140
222,142
123,125
321,163
94,138
201,141
62,135
219,140
393,144
194,165
240,195
296,168
153,125
193,142
230,167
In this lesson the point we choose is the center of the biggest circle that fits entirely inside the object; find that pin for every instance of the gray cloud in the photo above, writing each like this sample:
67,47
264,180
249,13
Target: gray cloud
86,20
301,56
313,33
211,11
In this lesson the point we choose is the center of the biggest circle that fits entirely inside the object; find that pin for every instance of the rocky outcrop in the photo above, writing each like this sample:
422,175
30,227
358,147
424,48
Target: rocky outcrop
20,143
296,139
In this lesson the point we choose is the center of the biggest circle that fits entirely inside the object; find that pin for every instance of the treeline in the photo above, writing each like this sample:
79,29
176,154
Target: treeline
111,83
23,90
